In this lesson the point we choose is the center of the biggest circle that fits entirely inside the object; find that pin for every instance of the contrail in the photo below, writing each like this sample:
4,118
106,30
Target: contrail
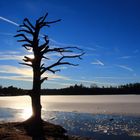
125,67
98,62
9,21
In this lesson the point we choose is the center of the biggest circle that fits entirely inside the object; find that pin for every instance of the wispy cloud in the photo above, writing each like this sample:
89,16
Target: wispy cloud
11,57
89,82
9,21
125,57
63,67
18,78
16,70
98,62
125,67
114,78
21,73
10,52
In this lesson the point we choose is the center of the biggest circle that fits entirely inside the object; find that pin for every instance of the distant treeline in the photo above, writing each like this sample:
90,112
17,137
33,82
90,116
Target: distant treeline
132,88
95,90
12,91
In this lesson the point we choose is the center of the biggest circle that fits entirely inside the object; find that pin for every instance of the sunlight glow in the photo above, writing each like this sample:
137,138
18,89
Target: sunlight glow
27,112
30,56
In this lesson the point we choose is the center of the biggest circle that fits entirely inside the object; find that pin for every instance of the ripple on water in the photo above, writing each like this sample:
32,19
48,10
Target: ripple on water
90,125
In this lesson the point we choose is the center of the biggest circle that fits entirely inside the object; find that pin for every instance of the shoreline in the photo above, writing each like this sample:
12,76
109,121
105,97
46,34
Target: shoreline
85,126
131,94
17,131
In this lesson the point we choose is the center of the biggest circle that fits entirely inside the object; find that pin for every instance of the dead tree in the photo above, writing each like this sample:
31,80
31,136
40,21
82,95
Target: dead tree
30,36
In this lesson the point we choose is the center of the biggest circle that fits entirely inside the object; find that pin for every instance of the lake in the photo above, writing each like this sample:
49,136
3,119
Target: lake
109,115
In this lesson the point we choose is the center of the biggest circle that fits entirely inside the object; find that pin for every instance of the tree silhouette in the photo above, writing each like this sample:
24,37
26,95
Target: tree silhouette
30,36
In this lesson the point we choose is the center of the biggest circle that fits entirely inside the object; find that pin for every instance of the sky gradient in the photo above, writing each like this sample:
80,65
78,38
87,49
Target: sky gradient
107,30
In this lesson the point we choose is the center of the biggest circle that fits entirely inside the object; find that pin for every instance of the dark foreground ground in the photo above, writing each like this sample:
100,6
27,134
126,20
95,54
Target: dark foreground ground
16,131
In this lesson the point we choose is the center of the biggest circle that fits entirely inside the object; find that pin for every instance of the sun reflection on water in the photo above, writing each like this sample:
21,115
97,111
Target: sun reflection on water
26,113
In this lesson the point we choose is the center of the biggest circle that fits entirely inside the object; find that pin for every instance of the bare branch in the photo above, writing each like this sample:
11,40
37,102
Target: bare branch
26,47
53,21
44,50
44,24
25,38
59,62
26,31
41,19
45,57
46,39
63,49
54,71
28,59
29,23
44,17
43,46
37,21
26,64
42,70
43,79
42,66
27,27
22,40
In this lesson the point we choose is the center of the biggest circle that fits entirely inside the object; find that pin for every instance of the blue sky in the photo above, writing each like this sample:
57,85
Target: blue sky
107,30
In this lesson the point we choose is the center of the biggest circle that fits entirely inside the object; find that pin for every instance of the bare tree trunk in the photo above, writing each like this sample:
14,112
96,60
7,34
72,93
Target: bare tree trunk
36,107
35,96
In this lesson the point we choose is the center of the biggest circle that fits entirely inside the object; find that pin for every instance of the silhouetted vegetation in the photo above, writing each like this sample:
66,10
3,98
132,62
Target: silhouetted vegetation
77,90
12,91
95,90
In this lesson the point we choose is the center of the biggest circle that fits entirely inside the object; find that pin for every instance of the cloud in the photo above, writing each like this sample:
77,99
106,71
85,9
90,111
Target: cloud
25,74
98,62
11,57
9,52
9,21
18,78
125,57
92,82
63,67
16,70
125,67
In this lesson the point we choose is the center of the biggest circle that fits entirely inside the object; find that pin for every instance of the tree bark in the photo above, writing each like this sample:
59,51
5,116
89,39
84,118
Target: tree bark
35,95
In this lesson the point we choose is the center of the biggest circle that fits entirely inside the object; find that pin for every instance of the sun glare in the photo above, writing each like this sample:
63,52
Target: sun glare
30,55
27,112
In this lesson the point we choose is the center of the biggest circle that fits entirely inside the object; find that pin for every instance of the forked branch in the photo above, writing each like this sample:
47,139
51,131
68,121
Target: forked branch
60,62
25,38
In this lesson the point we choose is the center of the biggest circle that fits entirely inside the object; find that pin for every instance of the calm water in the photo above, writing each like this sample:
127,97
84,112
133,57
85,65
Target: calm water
113,117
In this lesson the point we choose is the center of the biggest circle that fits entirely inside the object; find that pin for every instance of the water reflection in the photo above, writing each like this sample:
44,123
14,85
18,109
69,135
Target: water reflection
98,126
80,123
26,113
84,124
